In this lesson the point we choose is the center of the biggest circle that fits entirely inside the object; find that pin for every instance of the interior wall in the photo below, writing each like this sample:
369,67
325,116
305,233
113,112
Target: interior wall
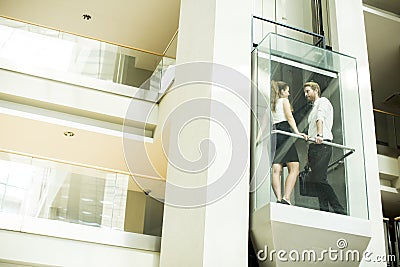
383,57
134,213
153,217
132,75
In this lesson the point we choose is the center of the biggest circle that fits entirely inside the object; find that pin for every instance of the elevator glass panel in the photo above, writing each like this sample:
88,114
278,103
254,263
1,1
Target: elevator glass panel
279,58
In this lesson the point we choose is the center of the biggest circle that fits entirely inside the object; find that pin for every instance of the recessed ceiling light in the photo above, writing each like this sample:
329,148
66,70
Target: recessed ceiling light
69,134
86,17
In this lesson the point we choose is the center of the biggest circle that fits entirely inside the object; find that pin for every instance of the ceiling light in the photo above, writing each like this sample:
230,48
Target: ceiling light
86,17
69,134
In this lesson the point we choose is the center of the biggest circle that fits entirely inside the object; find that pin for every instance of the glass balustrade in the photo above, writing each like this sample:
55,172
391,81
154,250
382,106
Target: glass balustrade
337,180
387,131
62,56
38,188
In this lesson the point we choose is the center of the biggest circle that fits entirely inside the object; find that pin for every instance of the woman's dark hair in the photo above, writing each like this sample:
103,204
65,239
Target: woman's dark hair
276,92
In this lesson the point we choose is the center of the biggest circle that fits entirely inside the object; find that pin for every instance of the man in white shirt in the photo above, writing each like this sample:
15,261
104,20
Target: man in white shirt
320,121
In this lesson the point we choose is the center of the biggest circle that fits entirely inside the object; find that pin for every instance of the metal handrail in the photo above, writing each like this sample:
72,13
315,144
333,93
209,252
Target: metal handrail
169,44
313,140
339,160
322,38
386,113
351,150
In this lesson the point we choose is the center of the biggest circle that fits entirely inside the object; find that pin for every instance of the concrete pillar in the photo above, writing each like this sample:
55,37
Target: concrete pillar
348,37
205,131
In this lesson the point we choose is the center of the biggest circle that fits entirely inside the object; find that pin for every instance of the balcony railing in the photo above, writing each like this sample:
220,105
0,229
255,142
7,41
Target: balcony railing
54,54
38,195
387,130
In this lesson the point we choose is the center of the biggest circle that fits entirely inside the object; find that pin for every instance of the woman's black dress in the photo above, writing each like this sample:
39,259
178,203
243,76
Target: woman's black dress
285,149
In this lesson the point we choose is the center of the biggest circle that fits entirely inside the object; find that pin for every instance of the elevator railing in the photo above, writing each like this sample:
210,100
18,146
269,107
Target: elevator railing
312,140
334,164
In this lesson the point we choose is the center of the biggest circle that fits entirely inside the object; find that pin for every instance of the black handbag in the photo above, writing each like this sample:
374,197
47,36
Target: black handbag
308,188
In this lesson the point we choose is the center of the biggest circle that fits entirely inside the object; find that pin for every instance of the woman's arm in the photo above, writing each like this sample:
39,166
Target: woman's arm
289,116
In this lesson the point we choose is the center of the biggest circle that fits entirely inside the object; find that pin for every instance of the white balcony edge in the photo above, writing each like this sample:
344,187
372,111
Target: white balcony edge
56,95
77,232
81,80
59,118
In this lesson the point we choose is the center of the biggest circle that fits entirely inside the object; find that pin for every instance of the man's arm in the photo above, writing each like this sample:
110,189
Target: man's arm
319,138
324,108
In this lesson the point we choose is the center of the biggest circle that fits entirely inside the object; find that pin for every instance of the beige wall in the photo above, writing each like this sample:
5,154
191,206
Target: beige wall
135,211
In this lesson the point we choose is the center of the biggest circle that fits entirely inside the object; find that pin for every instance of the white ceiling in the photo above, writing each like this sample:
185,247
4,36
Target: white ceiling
148,25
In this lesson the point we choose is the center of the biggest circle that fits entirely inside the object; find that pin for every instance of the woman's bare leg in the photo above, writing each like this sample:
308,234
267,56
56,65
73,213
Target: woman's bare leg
276,180
293,168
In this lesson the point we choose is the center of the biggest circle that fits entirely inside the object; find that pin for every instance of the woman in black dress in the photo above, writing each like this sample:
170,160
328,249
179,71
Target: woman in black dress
285,152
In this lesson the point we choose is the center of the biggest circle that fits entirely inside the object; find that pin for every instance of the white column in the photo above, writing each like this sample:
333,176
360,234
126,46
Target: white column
215,232
348,37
